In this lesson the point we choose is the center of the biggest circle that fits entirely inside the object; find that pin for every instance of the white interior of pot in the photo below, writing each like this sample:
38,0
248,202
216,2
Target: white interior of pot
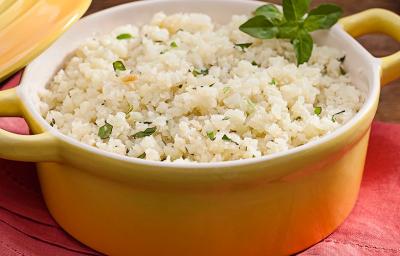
363,68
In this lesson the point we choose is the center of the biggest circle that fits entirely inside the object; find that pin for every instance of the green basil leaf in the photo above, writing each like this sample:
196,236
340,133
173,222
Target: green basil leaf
124,36
105,131
145,133
271,12
303,46
118,66
174,45
259,27
322,17
288,30
294,10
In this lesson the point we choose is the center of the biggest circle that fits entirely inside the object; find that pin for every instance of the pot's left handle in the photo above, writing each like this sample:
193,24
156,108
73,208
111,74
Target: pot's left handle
28,148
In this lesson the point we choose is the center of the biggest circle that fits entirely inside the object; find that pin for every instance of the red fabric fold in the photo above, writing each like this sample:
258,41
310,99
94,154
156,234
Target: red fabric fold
373,228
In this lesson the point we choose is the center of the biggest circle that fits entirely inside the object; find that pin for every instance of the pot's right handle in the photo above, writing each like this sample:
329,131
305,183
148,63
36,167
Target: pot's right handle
377,21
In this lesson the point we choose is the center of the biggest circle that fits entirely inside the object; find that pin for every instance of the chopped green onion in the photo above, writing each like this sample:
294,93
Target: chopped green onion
105,131
338,113
53,122
226,138
174,45
211,135
197,72
226,89
273,82
145,133
118,66
130,109
342,71
124,36
142,156
244,46
317,110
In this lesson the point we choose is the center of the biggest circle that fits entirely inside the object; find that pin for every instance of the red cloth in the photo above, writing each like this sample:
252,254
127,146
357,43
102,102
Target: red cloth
373,228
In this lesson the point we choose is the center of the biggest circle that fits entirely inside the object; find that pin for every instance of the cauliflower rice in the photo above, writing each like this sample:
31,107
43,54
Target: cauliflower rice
193,90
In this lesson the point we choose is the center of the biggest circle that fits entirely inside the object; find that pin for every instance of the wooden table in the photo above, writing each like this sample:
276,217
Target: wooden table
378,45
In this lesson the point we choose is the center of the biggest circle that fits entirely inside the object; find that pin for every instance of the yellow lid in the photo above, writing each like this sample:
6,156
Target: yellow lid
28,27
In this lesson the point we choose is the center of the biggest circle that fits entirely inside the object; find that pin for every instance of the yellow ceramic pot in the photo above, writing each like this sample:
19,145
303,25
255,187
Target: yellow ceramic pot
273,205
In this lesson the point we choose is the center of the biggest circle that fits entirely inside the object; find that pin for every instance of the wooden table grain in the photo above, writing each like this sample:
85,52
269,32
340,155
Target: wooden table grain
378,45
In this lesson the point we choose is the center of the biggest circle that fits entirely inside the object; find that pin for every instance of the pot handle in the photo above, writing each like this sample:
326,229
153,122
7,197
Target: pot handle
28,148
377,21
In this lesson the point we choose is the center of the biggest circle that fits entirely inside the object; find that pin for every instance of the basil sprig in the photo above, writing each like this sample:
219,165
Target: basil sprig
269,22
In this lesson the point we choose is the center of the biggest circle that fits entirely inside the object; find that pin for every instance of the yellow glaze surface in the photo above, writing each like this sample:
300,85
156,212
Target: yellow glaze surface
40,21
274,207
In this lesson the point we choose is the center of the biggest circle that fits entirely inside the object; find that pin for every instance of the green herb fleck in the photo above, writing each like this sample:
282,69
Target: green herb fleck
269,22
130,109
255,64
180,86
342,71
124,36
244,46
147,122
317,110
211,85
118,66
342,59
142,156
226,118
145,133
53,122
298,118
226,89
226,138
273,82
174,45
211,135
338,113
105,131
203,72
